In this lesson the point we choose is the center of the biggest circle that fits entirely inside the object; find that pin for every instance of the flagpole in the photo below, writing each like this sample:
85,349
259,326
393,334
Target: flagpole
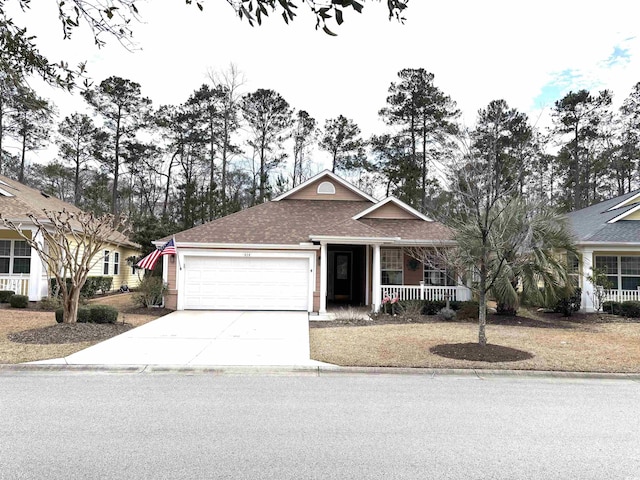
177,253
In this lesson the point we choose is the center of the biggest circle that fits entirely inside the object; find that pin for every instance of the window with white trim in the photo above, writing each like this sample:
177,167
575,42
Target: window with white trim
5,256
326,188
105,268
116,263
623,272
436,274
15,256
573,268
21,257
391,266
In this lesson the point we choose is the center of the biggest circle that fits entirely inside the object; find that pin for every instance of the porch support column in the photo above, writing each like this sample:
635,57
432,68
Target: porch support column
375,279
586,262
36,269
367,272
323,278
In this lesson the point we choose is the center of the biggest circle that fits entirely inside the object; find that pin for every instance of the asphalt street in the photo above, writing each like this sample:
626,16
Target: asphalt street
174,426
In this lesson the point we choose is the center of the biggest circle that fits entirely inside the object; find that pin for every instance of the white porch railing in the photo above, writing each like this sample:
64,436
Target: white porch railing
622,295
19,285
426,292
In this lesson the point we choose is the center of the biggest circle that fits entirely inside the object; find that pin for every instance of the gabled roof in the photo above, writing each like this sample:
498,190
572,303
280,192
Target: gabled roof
295,222
301,216
18,200
398,203
604,222
329,176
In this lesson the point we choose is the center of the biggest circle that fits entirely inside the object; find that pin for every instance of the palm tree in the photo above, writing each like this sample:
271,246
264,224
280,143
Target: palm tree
505,245
534,245
512,242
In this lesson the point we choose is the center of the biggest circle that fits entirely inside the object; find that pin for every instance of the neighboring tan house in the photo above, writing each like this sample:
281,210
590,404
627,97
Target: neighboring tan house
608,237
22,271
323,243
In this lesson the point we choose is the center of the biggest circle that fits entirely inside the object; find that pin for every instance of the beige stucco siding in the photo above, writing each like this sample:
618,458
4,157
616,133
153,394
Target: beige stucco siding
316,291
310,192
171,297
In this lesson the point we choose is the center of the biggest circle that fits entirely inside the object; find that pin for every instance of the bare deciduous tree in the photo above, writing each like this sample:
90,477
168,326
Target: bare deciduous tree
69,243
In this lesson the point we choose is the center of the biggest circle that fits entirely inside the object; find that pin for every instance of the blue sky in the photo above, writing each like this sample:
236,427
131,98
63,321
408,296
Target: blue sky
528,53
576,79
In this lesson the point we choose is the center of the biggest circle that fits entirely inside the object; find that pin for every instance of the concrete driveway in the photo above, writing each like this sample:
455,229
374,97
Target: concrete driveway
204,338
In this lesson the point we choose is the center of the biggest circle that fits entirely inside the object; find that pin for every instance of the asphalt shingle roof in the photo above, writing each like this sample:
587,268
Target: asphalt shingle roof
293,221
590,224
27,200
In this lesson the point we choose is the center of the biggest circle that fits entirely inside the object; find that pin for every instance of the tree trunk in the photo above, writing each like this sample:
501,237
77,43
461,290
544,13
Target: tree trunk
482,318
70,305
22,157
223,179
482,305
76,186
116,167
212,152
263,179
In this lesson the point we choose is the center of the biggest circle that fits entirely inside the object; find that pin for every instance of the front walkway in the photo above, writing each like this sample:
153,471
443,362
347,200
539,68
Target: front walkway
206,338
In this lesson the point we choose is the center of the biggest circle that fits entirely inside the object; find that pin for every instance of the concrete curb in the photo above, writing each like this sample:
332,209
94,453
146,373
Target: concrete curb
309,370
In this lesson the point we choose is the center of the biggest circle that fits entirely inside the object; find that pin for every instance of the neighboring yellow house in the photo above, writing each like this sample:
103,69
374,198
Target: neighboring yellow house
22,271
607,237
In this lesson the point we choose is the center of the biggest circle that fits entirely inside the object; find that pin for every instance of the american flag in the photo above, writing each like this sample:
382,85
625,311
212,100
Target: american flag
150,260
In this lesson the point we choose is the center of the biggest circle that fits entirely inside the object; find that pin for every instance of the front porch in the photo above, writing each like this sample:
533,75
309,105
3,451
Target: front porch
353,274
620,266
426,292
21,270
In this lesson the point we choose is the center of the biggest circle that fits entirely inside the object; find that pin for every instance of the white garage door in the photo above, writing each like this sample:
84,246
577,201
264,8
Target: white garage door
246,283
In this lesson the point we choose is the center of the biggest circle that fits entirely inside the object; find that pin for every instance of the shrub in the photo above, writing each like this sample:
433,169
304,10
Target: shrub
611,307
5,295
150,292
410,309
630,309
506,310
570,303
446,314
90,287
84,314
351,315
19,301
432,307
468,310
49,303
103,314
103,284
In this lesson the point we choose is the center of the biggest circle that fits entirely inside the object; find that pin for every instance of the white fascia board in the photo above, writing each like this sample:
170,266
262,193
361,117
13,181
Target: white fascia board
419,243
623,215
630,199
609,245
242,246
353,240
334,177
397,202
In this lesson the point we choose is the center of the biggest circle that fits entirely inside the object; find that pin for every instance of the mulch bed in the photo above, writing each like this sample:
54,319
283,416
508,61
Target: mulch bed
543,320
69,333
474,352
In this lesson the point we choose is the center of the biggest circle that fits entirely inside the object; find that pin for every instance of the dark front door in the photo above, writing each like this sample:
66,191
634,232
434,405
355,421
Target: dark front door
342,273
